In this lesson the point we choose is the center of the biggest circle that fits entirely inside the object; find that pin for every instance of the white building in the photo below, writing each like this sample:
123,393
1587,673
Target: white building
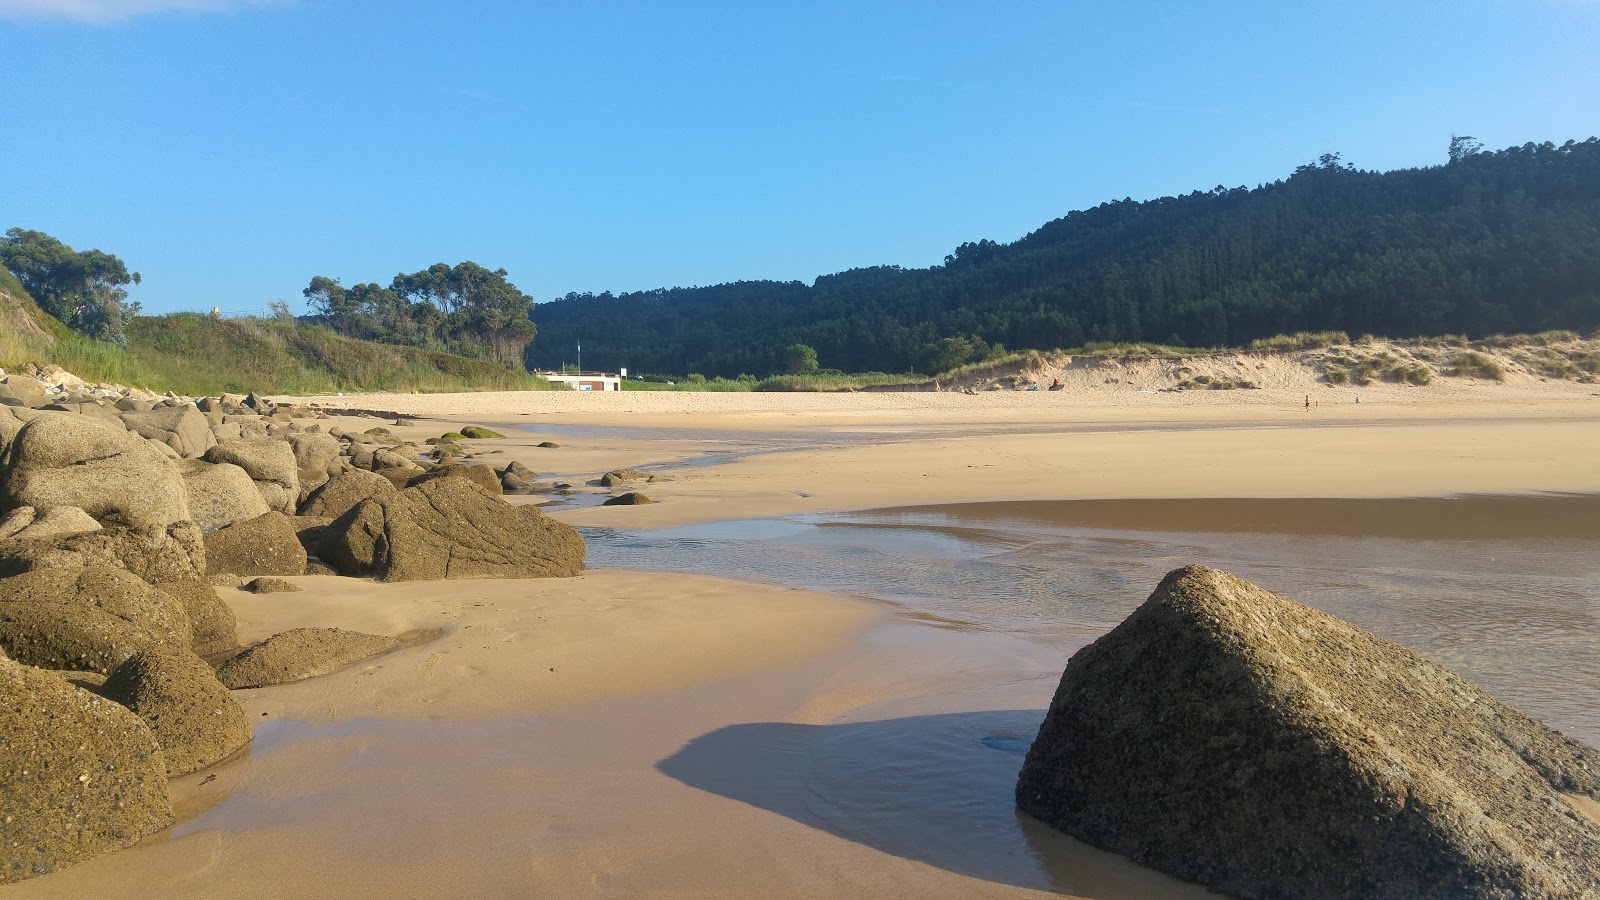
586,381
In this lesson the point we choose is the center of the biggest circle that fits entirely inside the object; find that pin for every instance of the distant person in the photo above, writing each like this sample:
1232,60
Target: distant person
1308,403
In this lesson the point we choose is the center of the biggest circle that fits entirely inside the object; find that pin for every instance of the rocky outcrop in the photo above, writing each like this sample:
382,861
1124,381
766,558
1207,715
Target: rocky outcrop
265,545
1229,736
270,586
219,494
215,626
626,476
631,498
449,528
316,459
343,492
482,476
271,465
60,522
59,459
193,717
301,653
155,554
79,775
70,636
183,428
111,590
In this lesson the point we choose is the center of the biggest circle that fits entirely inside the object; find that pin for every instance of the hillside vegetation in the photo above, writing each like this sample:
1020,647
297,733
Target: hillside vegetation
1488,243
191,354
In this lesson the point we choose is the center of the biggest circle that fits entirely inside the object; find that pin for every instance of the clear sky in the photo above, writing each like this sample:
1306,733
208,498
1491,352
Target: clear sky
231,150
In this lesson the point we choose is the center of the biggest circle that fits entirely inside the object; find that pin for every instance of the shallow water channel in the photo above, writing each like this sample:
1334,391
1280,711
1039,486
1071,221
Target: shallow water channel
1503,590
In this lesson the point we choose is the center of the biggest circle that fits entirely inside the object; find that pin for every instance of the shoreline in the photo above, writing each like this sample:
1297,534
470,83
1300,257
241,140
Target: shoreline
466,765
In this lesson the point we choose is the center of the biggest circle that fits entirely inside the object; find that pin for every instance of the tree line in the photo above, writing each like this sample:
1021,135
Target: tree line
85,290
1487,242
464,309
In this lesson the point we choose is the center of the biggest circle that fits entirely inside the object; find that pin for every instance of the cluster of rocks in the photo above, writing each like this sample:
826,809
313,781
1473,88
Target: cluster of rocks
120,512
1236,738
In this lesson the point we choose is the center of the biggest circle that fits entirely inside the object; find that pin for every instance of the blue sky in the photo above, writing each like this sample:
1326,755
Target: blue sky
231,150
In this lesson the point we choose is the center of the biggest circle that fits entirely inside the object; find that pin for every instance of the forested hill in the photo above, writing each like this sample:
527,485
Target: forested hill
1489,242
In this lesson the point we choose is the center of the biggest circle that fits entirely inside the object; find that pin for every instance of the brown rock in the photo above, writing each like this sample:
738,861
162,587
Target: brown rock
449,528
219,494
343,492
631,498
482,476
265,545
215,626
1233,737
79,775
626,476
270,464
59,459
112,590
271,586
301,653
193,717
183,428
70,636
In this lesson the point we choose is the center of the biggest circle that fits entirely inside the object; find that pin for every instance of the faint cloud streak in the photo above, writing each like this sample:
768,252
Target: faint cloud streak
101,12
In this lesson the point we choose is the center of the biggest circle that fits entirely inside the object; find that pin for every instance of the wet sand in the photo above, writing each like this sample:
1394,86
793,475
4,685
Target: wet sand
708,737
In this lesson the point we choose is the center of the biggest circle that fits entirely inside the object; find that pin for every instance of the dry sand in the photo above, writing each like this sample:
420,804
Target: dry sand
588,737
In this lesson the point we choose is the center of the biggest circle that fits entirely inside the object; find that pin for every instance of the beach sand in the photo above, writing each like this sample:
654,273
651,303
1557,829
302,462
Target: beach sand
640,734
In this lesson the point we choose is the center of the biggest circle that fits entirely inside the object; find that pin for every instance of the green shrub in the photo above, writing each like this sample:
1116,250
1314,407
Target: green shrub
1300,340
1472,364
1336,376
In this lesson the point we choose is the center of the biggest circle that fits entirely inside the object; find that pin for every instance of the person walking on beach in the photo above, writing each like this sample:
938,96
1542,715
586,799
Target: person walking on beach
1308,403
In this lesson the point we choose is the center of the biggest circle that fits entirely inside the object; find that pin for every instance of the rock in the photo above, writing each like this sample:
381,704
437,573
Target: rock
519,470
551,445
1229,736
79,775
449,528
26,390
400,478
193,717
70,636
109,589
60,522
309,530
16,520
392,459
316,458
479,433
270,464
343,492
631,498
265,545
482,476
510,483
58,459
215,626
154,554
625,476
271,586
383,437
301,653
183,428
219,494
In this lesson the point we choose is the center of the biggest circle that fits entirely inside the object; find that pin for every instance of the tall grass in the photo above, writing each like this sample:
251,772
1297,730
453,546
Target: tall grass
189,353
822,381
1300,340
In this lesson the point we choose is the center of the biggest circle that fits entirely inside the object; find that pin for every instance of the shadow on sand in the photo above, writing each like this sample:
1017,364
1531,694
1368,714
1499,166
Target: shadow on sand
936,789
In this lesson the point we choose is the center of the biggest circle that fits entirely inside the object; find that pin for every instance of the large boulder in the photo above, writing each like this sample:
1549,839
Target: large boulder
268,544
79,775
1229,736
631,498
153,553
60,522
482,476
450,528
219,494
343,492
110,589
70,636
183,428
626,476
316,458
271,465
215,626
301,653
59,459
193,717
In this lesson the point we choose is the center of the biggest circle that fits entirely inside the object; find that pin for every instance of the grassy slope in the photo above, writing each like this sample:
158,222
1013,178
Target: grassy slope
188,353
